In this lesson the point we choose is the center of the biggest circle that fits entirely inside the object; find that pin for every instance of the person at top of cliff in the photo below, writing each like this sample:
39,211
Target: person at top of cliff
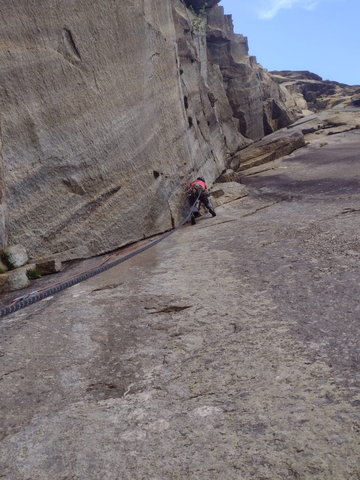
199,193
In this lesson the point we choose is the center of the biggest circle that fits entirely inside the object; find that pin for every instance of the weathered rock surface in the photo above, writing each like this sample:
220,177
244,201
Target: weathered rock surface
95,140
270,148
48,266
229,351
15,279
222,193
338,117
85,167
229,176
259,104
14,256
3,266
319,126
199,4
3,280
107,112
318,94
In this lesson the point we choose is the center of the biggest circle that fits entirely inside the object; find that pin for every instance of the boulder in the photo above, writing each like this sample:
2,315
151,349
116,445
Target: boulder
15,279
14,256
48,266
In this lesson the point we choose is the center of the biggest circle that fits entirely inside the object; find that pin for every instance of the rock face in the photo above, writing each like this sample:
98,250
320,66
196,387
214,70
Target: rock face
199,4
227,192
108,111
229,351
46,267
92,127
276,145
333,112
313,93
259,104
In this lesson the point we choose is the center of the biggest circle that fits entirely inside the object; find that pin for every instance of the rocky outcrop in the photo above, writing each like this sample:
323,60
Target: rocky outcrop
312,93
330,126
200,4
276,145
108,110
259,104
16,279
317,130
48,266
333,112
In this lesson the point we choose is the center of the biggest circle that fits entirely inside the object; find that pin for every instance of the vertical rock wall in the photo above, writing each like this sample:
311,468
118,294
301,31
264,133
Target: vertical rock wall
204,99
107,110
258,103
93,131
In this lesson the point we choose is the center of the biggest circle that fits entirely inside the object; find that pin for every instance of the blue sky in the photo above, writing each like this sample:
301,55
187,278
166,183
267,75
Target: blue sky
322,36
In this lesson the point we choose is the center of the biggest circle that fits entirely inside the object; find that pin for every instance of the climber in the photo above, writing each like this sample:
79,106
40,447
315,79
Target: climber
199,193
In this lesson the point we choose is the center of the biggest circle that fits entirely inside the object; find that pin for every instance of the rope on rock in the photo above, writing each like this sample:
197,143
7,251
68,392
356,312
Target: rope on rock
34,297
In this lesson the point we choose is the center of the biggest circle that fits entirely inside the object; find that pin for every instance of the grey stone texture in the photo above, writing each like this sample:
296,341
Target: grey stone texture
228,351
199,4
3,266
90,109
14,256
259,104
15,279
107,111
270,148
318,94
229,175
48,266
228,191
317,129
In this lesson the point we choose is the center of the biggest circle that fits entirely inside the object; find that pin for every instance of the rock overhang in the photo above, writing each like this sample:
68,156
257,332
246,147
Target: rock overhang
199,4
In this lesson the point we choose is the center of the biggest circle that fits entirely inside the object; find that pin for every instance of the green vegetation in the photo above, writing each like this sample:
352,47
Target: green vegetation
279,80
33,274
198,22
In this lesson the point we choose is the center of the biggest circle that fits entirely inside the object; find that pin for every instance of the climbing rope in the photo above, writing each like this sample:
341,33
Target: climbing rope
36,296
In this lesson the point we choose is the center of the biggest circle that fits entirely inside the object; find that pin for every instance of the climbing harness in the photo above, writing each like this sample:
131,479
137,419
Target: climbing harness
37,295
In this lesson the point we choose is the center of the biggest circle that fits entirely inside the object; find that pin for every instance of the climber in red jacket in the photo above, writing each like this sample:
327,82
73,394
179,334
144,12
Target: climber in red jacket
199,193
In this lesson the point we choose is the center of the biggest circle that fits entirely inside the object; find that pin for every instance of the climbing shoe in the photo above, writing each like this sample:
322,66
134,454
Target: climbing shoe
193,221
212,212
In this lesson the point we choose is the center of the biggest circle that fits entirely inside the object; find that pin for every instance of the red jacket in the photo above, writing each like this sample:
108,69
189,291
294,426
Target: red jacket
201,183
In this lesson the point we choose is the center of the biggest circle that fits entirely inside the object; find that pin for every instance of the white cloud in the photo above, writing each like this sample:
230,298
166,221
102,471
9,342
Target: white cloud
274,6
